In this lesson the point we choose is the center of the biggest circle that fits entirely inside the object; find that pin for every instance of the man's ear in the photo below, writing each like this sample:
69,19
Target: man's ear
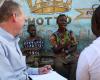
14,17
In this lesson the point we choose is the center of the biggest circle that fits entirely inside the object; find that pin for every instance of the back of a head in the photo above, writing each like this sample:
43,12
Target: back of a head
7,9
95,22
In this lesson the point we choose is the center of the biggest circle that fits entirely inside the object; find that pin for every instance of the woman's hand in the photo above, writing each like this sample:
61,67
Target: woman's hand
45,69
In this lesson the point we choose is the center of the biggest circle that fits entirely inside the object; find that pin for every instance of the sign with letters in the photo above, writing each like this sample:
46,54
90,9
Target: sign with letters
43,14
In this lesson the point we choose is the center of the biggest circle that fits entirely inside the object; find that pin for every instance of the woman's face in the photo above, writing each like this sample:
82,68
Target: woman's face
62,21
32,31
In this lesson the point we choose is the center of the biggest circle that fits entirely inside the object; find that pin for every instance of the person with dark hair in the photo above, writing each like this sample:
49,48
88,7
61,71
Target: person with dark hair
32,46
12,62
64,51
89,60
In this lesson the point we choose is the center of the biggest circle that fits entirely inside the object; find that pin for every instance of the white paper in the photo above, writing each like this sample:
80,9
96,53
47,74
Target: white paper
52,75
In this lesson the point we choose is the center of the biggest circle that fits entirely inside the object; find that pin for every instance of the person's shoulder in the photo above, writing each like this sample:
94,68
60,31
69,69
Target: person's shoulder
38,38
70,31
88,50
3,48
89,53
4,40
53,36
26,39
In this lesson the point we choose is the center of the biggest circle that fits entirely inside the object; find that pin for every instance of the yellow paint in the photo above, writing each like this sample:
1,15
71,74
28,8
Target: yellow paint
52,6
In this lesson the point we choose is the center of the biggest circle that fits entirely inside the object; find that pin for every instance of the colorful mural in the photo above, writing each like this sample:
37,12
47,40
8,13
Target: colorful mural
43,14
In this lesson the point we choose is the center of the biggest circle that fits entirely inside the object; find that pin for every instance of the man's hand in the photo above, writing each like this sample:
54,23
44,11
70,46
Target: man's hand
45,69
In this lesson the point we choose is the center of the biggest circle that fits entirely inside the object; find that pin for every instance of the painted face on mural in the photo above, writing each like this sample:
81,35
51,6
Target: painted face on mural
62,21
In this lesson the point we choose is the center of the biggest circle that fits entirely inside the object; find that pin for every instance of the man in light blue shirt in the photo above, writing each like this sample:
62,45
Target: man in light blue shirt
12,62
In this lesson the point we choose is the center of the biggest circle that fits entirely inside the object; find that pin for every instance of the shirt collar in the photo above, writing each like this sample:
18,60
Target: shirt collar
8,36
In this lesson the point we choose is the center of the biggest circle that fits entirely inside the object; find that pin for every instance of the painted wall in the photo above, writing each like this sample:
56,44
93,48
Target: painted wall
80,13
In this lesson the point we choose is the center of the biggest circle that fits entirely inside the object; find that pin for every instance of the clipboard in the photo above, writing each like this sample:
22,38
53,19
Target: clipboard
52,75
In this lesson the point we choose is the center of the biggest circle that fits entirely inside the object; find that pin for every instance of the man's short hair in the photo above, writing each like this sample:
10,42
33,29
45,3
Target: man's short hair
95,22
7,9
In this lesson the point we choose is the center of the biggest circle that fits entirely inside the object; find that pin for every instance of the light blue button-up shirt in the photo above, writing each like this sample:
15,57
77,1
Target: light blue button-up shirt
12,62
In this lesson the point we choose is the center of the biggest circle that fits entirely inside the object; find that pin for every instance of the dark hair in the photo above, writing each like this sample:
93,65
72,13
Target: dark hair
95,22
7,9
60,15
29,26
70,31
